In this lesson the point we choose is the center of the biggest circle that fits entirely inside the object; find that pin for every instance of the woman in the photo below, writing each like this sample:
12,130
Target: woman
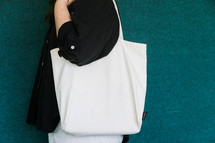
73,25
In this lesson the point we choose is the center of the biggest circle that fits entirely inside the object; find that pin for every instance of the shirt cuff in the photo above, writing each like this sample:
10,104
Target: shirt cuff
67,39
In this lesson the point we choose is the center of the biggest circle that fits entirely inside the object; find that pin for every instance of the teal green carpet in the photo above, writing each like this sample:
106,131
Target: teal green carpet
180,38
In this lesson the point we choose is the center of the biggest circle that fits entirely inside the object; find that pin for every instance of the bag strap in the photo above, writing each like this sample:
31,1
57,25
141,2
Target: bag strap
120,25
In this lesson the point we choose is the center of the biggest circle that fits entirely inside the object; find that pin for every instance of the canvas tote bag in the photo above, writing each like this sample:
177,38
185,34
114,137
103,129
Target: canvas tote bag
106,96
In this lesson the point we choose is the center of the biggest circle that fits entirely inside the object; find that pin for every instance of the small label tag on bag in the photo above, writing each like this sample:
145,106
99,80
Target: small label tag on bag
144,115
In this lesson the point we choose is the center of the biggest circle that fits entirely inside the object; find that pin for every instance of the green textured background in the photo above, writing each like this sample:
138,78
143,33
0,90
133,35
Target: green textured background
180,35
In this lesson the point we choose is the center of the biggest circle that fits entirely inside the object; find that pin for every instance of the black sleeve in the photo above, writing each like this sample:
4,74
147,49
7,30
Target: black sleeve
91,34
67,38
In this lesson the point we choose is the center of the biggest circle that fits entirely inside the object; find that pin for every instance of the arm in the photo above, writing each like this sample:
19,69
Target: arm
64,27
87,32
61,13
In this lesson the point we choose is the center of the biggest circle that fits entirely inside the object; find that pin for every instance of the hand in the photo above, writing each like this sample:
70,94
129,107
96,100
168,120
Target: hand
65,2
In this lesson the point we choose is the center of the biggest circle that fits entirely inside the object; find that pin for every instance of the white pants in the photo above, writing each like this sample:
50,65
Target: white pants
60,136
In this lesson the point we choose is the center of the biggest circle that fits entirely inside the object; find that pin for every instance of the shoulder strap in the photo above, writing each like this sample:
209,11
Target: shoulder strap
121,33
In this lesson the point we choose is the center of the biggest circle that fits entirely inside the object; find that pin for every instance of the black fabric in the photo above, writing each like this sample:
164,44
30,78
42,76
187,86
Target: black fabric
43,110
93,31
144,115
125,138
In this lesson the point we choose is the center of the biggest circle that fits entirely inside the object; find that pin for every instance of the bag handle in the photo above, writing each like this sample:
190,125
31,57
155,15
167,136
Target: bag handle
120,25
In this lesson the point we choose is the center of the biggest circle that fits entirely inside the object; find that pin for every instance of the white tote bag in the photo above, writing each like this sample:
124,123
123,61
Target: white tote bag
106,96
